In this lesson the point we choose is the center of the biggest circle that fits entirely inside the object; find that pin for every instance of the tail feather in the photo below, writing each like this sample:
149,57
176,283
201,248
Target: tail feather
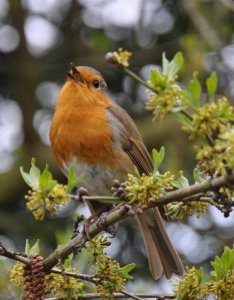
161,253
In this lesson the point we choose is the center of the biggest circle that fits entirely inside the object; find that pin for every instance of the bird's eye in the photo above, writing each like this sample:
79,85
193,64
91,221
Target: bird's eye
96,84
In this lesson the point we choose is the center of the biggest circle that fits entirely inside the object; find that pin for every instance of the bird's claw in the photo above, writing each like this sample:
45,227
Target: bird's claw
111,229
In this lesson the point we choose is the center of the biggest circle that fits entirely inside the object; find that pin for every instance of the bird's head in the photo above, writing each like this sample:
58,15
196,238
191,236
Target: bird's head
84,85
87,76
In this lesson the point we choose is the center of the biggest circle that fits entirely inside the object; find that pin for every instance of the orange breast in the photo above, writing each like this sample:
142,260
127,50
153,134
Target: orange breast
80,128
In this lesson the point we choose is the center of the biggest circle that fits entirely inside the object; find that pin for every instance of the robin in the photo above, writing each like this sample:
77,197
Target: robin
98,138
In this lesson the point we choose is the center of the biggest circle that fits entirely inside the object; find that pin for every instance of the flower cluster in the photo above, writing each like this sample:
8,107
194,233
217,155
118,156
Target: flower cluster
166,94
190,286
16,275
45,193
220,285
194,287
163,101
224,288
38,203
212,118
181,210
110,280
219,158
145,189
120,57
97,245
111,277
61,285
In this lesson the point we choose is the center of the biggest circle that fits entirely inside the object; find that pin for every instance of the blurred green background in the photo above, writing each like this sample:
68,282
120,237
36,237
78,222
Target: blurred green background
38,40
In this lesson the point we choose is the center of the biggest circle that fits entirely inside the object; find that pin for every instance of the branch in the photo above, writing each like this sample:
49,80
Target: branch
125,210
120,295
90,278
201,25
133,296
13,255
228,3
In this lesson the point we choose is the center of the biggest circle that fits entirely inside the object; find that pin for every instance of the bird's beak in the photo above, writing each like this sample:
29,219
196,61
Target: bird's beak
74,74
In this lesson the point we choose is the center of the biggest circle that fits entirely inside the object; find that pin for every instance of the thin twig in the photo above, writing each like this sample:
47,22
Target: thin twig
106,199
131,295
228,3
186,114
90,278
139,79
120,295
205,30
13,255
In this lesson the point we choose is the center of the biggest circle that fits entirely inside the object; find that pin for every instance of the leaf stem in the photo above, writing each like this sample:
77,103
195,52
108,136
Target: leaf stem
139,79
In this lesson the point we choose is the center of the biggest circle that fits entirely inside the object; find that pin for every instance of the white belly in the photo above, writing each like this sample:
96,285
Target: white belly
98,180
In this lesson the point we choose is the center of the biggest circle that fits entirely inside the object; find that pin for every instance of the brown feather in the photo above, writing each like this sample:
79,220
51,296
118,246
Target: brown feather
161,253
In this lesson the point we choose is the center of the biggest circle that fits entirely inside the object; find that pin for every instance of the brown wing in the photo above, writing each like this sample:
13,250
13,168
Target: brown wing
131,140
161,253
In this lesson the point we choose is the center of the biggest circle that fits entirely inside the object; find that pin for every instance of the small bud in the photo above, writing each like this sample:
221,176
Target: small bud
110,58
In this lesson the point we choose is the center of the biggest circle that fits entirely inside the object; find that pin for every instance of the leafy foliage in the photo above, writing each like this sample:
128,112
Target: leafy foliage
45,193
171,68
211,85
223,264
145,189
220,285
111,276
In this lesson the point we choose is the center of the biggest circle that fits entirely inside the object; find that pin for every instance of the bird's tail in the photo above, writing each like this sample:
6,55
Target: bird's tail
161,254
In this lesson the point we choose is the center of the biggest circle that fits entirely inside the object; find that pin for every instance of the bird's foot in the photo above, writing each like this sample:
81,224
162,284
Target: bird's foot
82,193
102,222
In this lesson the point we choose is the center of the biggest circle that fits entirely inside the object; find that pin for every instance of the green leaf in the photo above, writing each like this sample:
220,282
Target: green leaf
123,272
165,63
157,79
45,177
46,181
27,247
31,178
200,275
181,182
158,158
67,262
195,91
155,76
172,68
223,264
136,172
34,249
26,177
211,85
184,120
196,175
73,181
34,173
